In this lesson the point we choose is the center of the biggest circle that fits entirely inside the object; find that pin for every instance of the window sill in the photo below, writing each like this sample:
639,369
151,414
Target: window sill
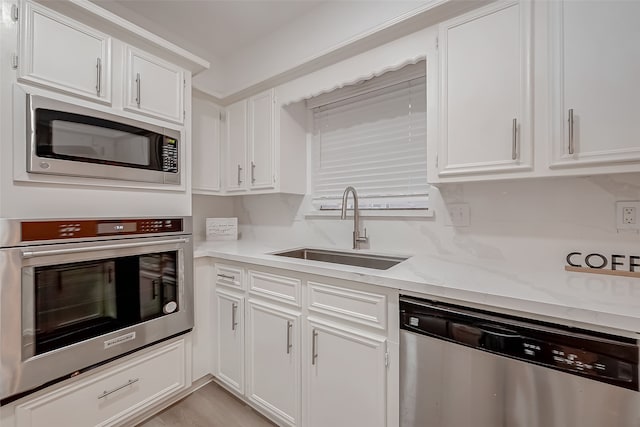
372,213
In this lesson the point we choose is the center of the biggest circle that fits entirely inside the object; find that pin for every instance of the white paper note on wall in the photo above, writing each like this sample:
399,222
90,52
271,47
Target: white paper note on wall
222,228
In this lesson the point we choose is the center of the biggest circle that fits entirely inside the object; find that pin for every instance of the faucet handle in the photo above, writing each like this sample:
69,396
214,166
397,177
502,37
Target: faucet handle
363,238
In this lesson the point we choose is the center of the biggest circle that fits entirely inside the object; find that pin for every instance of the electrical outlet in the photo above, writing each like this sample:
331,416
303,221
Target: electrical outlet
626,215
458,215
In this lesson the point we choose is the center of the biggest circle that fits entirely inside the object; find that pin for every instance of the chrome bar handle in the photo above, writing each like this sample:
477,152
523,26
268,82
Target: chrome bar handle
514,139
239,174
253,172
289,345
138,89
49,252
234,307
107,393
571,122
154,289
314,346
225,276
98,76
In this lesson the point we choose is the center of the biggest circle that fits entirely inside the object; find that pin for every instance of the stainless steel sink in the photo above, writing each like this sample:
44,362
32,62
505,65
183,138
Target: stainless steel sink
379,262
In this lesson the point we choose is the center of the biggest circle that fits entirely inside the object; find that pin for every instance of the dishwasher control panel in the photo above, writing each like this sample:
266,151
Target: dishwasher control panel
589,363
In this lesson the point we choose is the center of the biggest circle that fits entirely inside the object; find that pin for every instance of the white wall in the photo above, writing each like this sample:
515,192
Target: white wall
325,28
509,220
209,207
519,229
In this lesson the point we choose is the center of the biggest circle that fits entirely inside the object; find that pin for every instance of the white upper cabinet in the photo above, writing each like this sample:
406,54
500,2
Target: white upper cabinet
63,54
206,152
265,146
595,60
236,146
153,86
261,140
486,92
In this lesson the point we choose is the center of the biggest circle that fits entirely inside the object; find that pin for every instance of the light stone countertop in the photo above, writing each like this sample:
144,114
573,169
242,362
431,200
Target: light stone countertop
597,302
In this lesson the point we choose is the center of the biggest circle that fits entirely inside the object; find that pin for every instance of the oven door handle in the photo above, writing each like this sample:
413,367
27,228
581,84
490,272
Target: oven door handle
49,252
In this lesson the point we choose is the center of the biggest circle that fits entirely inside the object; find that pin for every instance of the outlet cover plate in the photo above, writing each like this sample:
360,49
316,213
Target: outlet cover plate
627,215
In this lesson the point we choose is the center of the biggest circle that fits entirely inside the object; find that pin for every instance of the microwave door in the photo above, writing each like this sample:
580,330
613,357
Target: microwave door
69,140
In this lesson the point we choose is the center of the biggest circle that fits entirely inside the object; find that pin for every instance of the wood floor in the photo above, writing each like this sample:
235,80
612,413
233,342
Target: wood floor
210,406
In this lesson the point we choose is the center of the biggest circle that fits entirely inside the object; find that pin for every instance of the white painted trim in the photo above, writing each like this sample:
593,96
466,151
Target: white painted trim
391,213
412,21
194,63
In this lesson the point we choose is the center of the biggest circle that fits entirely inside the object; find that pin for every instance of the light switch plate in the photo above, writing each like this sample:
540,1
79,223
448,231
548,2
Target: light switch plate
627,215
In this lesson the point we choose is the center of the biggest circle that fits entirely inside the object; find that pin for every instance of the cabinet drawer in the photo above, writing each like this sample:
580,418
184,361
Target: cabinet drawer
366,308
111,396
229,276
280,288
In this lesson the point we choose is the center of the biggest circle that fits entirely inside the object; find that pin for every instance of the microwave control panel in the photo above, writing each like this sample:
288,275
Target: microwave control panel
82,229
170,155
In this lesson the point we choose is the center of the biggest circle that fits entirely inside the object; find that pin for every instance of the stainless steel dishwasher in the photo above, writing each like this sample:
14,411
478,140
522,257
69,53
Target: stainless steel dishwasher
461,367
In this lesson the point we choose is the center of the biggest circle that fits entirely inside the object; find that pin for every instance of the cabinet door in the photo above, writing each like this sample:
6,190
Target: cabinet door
261,140
273,360
485,91
230,332
346,378
154,87
236,144
596,63
64,54
205,159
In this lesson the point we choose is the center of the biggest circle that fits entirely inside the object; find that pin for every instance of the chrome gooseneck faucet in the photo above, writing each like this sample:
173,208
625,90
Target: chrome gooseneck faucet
357,239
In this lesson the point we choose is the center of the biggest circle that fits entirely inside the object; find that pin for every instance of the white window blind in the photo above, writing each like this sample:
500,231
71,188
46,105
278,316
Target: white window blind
375,142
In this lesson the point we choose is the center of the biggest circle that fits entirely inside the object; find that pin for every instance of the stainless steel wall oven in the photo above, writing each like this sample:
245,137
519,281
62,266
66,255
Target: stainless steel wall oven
78,293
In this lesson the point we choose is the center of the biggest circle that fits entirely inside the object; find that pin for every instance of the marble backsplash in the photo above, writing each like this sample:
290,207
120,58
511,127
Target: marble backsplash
530,225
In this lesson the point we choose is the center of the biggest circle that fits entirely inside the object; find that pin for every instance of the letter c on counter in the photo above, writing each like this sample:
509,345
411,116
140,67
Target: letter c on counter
569,259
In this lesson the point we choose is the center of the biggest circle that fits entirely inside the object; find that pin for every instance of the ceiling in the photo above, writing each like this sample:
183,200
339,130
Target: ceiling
213,29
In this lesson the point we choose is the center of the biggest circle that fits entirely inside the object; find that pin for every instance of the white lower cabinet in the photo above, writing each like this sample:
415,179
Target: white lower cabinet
230,335
111,397
346,377
273,360
305,350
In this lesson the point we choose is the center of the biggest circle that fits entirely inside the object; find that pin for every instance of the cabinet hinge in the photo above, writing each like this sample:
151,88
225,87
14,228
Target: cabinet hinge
15,12
386,359
184,83
184,114
223,116
436,160
14,61
437,43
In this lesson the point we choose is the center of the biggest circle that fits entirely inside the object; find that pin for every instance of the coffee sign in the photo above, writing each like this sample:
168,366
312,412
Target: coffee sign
617,265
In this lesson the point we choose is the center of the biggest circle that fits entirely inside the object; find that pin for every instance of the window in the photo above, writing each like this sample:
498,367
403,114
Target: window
372,136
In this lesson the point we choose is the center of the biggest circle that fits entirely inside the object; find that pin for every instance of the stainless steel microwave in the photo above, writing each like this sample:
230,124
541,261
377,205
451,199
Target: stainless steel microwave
70,140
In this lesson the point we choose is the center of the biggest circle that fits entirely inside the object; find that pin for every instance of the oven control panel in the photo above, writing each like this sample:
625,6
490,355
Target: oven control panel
76,229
